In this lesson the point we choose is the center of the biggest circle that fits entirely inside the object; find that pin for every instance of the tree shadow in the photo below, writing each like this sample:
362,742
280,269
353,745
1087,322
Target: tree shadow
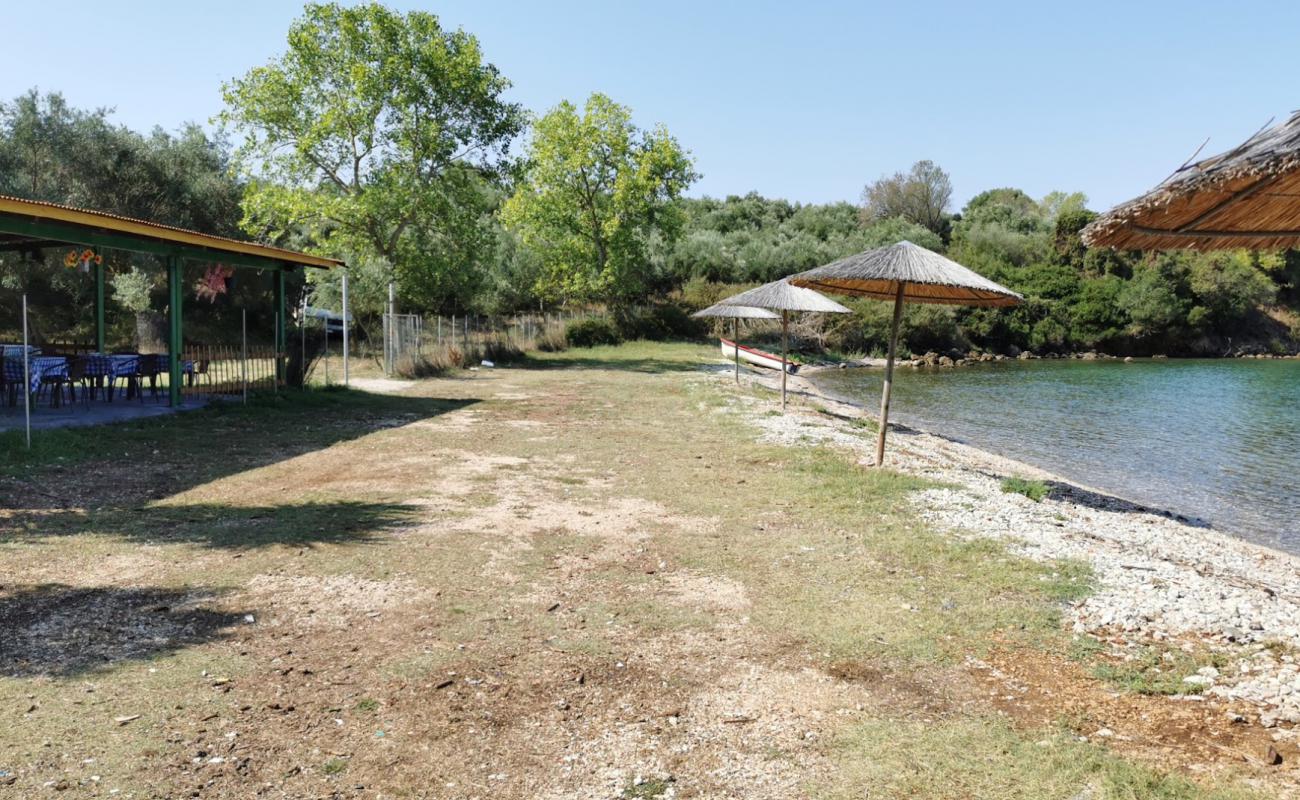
128,465
60,631
217,525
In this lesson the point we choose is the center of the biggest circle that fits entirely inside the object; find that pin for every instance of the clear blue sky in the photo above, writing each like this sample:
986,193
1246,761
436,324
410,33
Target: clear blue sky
804,100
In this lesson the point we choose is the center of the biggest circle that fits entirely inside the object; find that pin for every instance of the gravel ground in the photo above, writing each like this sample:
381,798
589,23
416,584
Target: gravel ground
1161,580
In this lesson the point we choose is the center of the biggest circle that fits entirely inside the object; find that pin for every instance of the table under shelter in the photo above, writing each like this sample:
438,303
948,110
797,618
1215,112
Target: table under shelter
31,227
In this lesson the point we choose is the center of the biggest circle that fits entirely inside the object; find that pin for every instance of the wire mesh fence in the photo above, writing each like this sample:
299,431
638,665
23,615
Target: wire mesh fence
462,339
403,336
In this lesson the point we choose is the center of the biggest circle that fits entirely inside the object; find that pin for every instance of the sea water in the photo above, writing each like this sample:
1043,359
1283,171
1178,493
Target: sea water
1217,440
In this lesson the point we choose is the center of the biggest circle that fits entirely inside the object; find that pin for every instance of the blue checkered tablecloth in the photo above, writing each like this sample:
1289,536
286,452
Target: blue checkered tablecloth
16,351
41,367
99,365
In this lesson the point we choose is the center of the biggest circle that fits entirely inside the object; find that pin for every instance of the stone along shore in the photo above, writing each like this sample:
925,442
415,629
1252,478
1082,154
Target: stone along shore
1159,581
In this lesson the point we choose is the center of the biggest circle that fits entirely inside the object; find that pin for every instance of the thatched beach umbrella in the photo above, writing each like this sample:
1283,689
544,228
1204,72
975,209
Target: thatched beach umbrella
1245,197
781,296
735,314
903,273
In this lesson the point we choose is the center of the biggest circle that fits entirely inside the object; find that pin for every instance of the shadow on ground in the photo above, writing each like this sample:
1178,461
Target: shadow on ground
218,526
62,631
124,467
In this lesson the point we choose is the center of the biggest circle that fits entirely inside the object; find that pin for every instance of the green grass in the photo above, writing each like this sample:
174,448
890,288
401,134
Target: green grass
1034,490
901,592
865,424
835,536
646,790
335,766
1158,670
985,759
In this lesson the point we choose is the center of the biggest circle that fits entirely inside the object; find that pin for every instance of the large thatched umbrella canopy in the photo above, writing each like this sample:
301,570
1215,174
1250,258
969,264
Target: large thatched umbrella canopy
904,272
923,275
1247,197
781,296
735,314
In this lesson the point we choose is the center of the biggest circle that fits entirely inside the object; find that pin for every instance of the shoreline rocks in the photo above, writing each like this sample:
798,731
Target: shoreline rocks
954,358
1160,582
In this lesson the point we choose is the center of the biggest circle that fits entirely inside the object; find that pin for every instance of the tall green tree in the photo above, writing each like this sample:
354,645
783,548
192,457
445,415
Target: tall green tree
370,138
598,195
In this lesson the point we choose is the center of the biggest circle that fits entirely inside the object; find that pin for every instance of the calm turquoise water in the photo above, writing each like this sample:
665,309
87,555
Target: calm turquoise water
1218,440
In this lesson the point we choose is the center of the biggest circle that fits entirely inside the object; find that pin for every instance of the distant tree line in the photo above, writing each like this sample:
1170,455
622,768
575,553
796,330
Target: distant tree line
1077,299
382,138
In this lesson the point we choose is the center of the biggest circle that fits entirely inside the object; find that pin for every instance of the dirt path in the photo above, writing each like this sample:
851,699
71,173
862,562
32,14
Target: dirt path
542,583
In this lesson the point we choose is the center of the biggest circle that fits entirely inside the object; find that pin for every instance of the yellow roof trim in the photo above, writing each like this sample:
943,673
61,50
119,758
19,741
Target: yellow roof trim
154,230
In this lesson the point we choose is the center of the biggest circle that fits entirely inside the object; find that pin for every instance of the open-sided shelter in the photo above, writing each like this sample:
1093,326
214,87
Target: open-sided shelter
32,226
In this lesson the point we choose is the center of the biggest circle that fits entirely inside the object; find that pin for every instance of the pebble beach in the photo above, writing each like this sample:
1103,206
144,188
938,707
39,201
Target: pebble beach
1160,581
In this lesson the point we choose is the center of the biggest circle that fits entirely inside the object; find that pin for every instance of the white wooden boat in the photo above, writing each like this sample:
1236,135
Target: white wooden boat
758,358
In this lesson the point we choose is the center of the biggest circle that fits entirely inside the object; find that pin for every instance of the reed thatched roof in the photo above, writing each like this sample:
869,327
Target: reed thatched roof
926,276
781,296
1247,197
736,312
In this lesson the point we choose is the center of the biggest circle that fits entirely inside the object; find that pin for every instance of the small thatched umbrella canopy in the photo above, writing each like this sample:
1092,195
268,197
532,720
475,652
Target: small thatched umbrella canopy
1246,197
903,273
781,296
735,314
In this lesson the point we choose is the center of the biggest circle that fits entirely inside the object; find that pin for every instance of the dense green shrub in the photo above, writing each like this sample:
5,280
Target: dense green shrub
923,328
592,332
552,340
698,293
660,322
676,322
500,350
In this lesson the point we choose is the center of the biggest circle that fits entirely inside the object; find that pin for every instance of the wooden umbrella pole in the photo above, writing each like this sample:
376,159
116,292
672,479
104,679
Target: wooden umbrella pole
735,345
785,352
889,374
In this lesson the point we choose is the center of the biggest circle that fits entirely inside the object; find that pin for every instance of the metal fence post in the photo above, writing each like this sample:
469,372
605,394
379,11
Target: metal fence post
243,356
275,384
346,320
27,378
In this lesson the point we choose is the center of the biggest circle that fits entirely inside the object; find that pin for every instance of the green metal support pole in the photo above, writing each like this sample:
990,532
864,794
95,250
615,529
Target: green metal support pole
99,308
174,342
281,339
